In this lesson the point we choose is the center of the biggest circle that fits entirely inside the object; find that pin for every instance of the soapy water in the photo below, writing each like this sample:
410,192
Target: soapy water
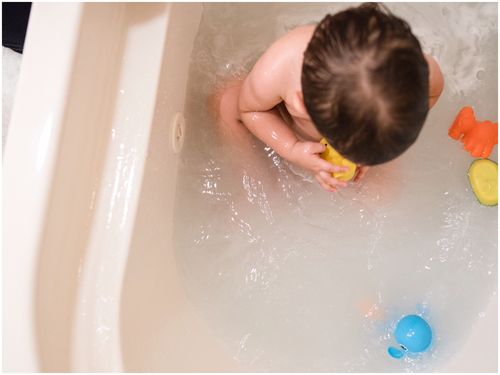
292,278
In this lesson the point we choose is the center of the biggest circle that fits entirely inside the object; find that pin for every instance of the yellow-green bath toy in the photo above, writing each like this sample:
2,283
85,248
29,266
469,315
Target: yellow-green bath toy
332,156
483,177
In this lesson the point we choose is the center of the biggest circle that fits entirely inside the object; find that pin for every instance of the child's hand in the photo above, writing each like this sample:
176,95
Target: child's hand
306,155
360,172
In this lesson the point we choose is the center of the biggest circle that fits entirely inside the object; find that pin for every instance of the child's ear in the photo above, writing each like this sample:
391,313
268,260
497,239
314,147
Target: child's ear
298,102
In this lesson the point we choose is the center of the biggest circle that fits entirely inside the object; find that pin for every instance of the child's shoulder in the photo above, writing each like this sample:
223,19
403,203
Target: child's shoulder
299,34
292,44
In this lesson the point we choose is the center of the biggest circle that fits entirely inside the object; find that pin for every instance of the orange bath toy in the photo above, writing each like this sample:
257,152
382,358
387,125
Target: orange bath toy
370,309
478,137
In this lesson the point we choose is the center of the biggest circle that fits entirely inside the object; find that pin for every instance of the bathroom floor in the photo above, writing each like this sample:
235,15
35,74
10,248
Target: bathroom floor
15,17
292,278
11,66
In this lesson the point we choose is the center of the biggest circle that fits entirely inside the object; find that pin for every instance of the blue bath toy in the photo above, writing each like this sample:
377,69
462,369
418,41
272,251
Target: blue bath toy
413,334
395,353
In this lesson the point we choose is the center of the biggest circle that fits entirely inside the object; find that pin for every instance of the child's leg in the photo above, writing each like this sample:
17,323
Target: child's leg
243,149
224,107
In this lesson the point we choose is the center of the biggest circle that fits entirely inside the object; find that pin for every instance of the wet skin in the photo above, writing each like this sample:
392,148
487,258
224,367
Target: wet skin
269,103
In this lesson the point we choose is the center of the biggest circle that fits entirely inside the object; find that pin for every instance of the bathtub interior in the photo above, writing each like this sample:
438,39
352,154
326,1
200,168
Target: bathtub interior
135,267
290,278
160,330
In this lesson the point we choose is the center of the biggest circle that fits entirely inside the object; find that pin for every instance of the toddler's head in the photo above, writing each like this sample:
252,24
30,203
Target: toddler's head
365,84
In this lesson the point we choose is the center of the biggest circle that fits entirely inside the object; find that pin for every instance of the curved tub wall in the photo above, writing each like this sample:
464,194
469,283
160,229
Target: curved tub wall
90,79
91,102
90,279
165,336
29,159
96,339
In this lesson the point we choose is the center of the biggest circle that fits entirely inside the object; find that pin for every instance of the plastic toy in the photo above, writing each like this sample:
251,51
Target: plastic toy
413,334
478,137
483,178
332,156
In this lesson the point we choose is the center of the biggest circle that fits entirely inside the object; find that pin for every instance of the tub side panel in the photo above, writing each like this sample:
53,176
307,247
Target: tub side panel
160,330
28,167
96,335
85,134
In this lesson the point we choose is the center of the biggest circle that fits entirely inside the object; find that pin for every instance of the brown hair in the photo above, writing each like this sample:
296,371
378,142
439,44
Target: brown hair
365,83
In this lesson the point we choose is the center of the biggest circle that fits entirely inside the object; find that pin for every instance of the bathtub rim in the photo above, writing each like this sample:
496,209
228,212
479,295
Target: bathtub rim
24,206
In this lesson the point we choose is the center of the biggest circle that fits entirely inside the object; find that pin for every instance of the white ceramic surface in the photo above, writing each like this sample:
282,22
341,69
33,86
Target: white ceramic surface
90,281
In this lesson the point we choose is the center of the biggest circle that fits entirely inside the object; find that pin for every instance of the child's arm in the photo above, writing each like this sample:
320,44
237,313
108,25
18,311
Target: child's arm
436,80
262,90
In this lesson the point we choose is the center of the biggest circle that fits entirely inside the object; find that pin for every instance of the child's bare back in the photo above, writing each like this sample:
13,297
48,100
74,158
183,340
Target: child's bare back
274,83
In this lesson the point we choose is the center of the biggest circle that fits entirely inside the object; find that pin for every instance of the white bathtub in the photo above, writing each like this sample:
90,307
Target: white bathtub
90,280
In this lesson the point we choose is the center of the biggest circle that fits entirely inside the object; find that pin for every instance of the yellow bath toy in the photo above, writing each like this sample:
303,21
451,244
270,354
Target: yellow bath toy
483,177
332,156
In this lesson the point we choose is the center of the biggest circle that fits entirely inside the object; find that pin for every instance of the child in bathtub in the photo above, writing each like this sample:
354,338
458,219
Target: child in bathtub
358,78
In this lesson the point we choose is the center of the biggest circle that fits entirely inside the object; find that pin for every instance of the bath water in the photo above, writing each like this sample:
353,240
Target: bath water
292,278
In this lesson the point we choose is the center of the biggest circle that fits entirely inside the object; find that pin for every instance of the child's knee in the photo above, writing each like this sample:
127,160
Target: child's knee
227,117
223,102
228,105
213,103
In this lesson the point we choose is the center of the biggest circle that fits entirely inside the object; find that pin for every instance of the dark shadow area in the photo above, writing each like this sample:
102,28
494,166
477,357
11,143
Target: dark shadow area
15,17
